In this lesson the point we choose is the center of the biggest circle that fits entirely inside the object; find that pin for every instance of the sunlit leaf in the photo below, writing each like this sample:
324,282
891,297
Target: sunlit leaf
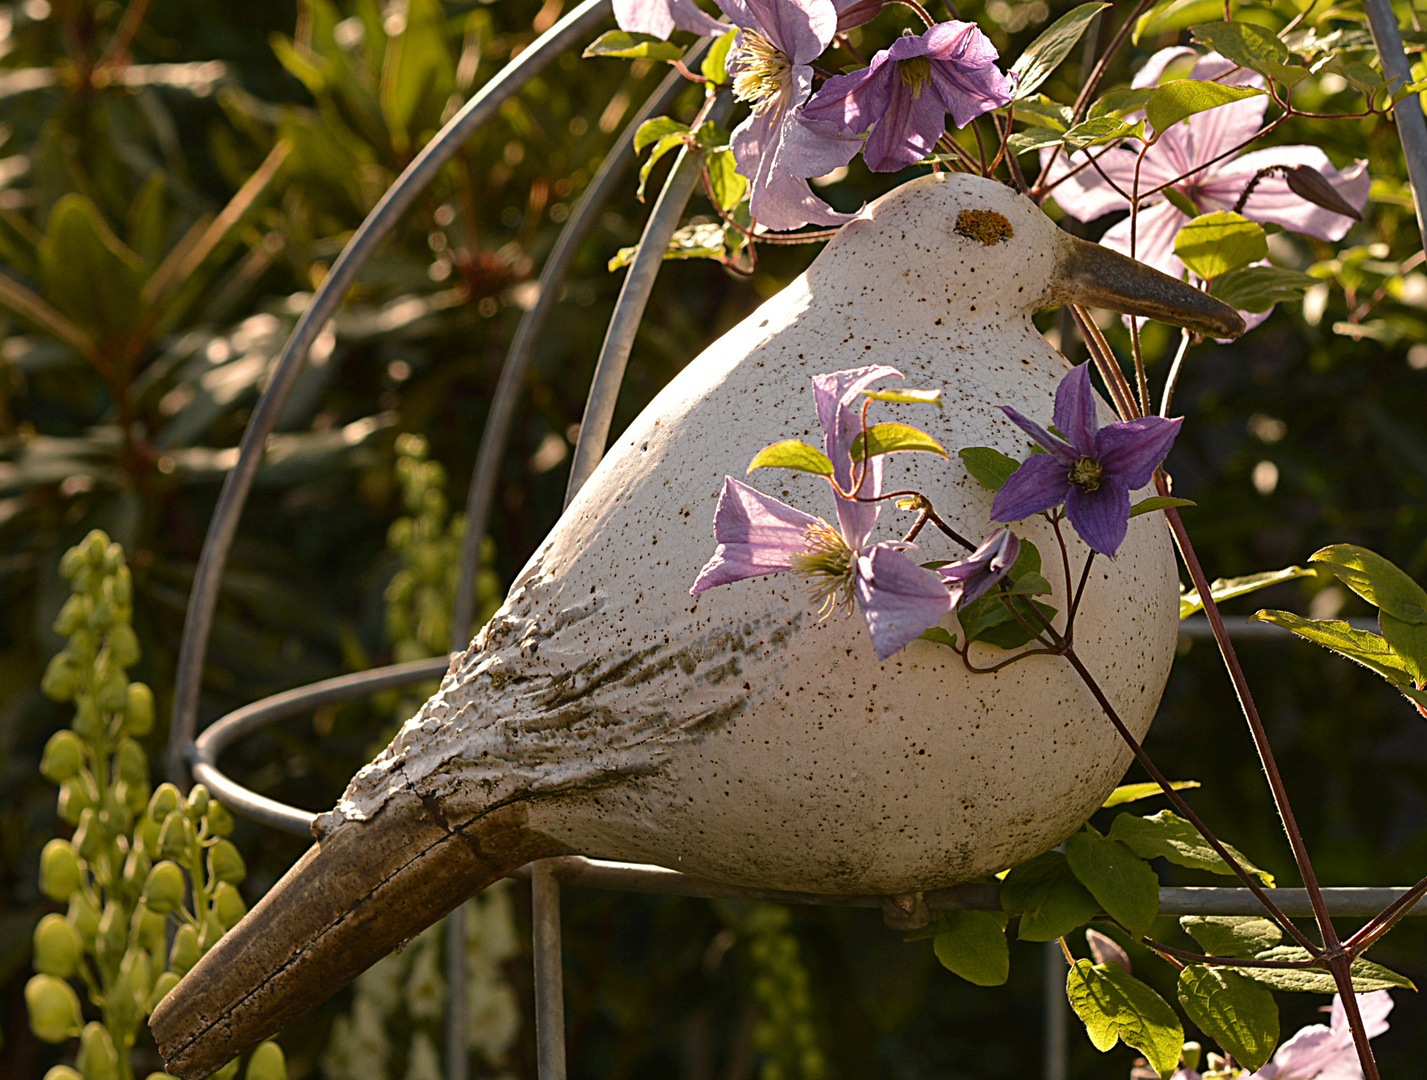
1167,835
1128,793
893,439
1238,936
626,46
907,396
1367,976
1219,243
990,468
1258,288
1122,882
1044,55
1181,98
792,454
1226,588
1158,502
1115,1006
1238,1013
1376,580
972,944
1046,895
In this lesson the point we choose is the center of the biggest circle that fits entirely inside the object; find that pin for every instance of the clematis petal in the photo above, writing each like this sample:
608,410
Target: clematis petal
1153,68
972,576
852,13
1131,450
898,598
815,150
964,71
801,29
907,130
1075,409
756,534
853,103
1058,448
1102,516
1155,230
834,395
1039,484
780,199
662,17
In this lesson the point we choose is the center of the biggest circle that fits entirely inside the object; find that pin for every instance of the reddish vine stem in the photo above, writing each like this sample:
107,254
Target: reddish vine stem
1223,961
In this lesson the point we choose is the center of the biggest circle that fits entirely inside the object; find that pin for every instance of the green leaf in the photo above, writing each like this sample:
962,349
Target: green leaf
1128,793
1376,580
651,131
1409,642
1174,101
627,46
1041,111
1048,899
1238,1013
87,273
418,74
1252,47
715,64
990,468
907,396
1028,584
1258,288
1238,936
1182,201
1023,142
1120,102
1115,1006
939,635
1170,15
1362,646
1367,976
1102,129
1123,883
728,185
893,439
988,620
1219,243
1167,835
972,944
792,454
1226,588
1043,55
673,141
1158,502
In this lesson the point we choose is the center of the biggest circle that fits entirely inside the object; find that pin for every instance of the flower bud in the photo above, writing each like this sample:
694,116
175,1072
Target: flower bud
267,1063
163,888
112,937
89,839
60,872
114,815
227,1072
58,947
114,690
136,867
165,801
60,679
89,721
74,799
93,546
123,645
63,757
162,985
198,801
211,932
121,586
135,798
139,710
176,837
136,979
113,558
72,616
228,905
225,864
153,930
54,1009
131,763
97,1060
220,822
70,562
84,917
62,1072
146,836
185,951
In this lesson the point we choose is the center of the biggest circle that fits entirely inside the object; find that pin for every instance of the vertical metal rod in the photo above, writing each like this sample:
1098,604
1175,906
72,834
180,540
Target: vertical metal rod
457,1013
629,310
1056,1014
1411,127
549,973
485,479
223,528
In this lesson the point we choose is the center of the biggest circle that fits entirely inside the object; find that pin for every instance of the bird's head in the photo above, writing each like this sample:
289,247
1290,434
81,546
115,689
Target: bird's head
992,253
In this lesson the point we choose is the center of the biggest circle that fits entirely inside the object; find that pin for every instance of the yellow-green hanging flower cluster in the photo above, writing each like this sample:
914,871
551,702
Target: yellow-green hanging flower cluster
785,1033
136,860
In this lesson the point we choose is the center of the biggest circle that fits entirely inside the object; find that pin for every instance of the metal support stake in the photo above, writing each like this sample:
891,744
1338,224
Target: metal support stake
1056,1008
1411,127
549,972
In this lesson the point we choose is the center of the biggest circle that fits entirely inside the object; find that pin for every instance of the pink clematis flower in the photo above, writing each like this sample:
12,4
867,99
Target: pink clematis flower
900,101
1196,147
758,534
1092,470
769,62
1327,1053
662,17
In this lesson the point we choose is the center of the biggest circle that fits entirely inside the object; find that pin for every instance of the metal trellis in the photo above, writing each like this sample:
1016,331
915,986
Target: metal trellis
199,753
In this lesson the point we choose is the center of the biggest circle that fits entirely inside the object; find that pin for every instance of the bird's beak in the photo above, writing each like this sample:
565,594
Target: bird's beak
1095,276
358,893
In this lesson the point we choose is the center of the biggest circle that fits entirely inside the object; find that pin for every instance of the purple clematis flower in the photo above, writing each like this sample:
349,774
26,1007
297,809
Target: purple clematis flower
769,62
1197,147
662,17
758,534
901,99
972,577
1327,1053
1092,470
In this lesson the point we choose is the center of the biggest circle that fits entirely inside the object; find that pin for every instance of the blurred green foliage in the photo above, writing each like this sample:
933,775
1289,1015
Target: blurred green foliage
172,188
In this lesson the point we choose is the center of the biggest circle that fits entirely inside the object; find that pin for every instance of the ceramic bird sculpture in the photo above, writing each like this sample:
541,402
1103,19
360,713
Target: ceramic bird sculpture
735,734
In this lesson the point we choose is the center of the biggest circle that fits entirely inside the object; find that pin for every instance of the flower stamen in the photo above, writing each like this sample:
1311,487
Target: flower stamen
916,75
827,565
763,70
1087,473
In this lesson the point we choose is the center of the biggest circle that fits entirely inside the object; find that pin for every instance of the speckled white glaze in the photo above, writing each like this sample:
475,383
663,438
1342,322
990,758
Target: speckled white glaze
735,735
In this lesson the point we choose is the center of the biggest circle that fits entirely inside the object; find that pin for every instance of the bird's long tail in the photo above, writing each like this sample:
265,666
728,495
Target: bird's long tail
361,890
